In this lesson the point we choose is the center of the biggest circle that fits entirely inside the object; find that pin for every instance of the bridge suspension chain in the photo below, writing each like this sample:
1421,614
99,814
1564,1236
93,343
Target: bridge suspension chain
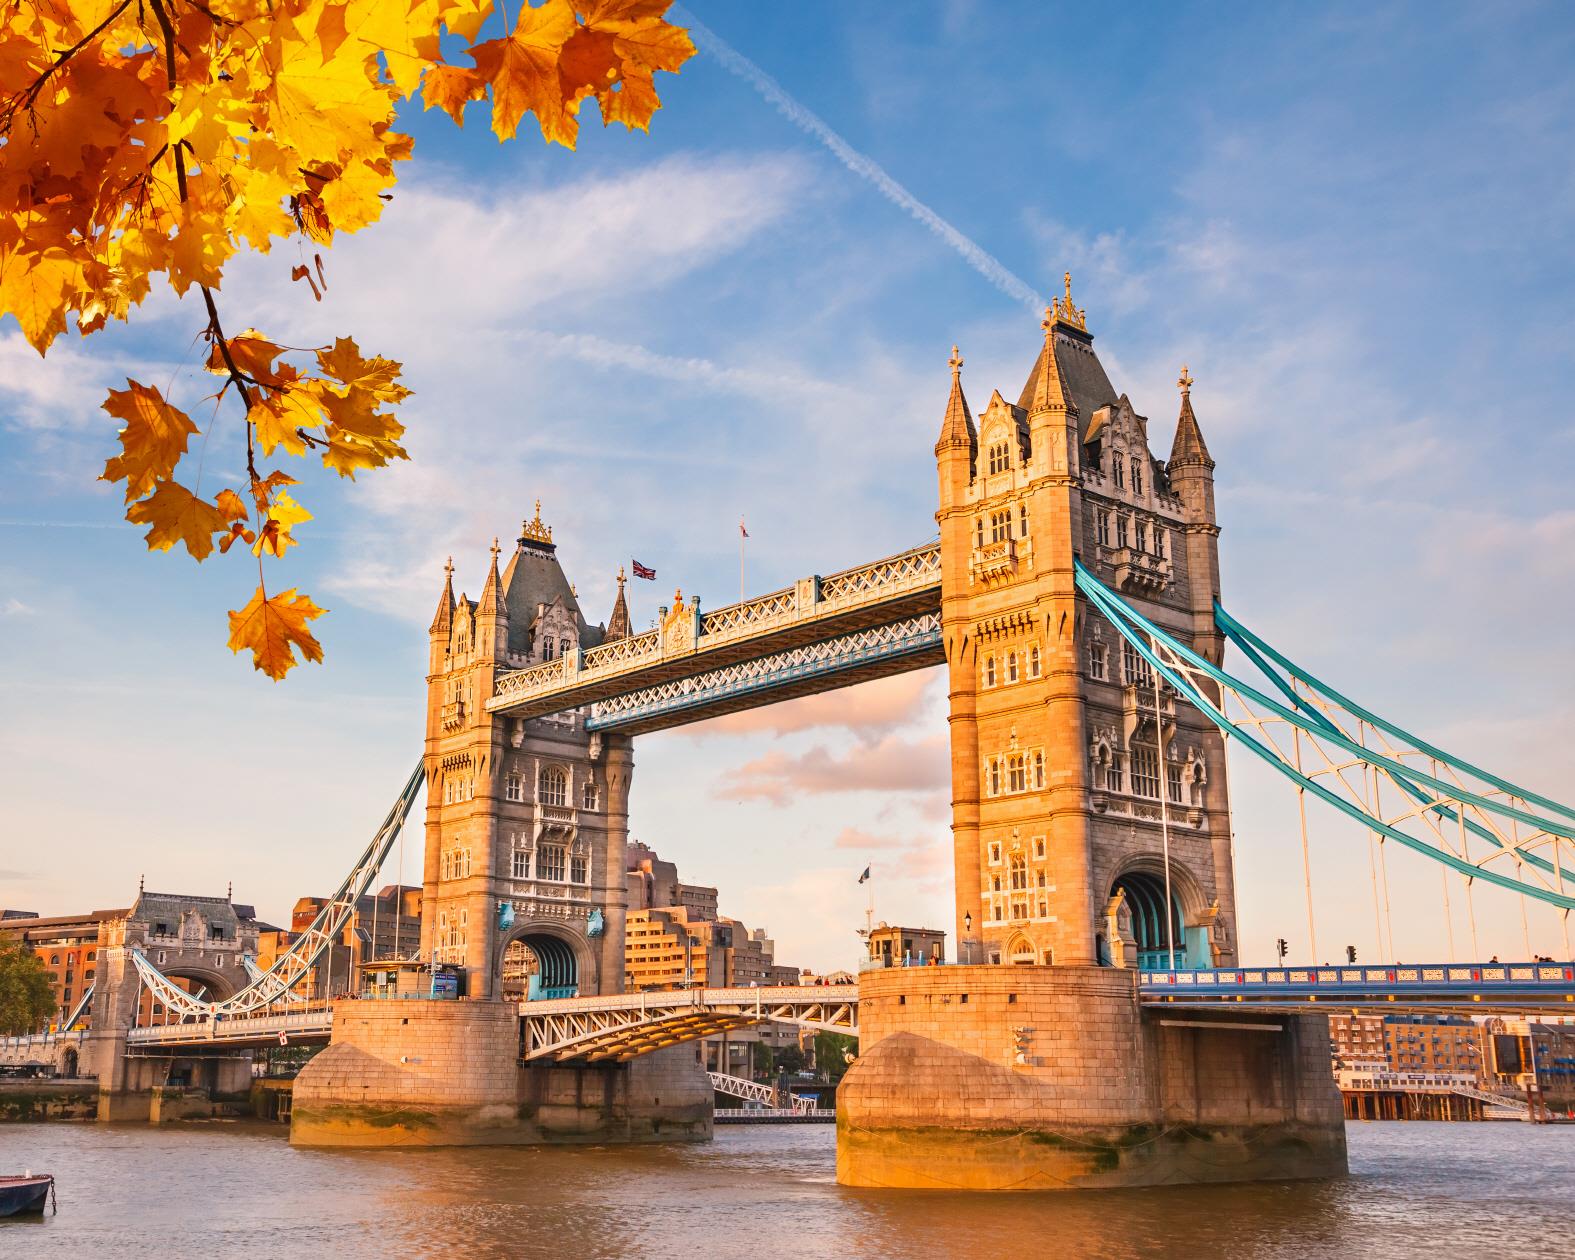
277,984
1444,796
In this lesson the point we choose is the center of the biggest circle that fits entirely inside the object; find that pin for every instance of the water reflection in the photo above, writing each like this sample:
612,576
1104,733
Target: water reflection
241,1191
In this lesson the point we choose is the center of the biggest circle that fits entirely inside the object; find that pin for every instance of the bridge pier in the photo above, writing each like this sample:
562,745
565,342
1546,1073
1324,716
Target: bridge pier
1036,1078
430,1073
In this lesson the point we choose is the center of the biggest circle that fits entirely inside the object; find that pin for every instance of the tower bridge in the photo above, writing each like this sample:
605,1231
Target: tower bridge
1074,600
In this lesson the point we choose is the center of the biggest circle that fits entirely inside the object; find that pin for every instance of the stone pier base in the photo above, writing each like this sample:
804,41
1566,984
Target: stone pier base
1047,1078
425,1073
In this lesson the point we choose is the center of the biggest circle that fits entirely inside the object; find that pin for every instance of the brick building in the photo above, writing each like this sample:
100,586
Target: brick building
68,946
686,943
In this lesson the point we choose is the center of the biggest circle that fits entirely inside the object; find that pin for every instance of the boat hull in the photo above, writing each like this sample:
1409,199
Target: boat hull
24,1196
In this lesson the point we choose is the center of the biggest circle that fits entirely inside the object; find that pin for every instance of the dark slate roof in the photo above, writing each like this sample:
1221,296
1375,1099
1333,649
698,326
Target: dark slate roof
1189,445
1082,375
534,577
168,908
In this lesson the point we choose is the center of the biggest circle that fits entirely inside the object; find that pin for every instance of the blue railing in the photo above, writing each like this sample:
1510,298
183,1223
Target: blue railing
1435,983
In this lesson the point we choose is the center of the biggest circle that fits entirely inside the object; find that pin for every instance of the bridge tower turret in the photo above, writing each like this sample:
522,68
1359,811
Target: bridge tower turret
526,818
1060,754
1191,474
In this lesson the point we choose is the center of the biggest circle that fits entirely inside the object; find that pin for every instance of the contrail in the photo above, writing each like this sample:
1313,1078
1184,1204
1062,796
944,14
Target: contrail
867,168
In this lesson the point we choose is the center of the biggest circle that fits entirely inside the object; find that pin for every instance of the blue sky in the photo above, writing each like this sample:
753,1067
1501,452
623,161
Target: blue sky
1353,222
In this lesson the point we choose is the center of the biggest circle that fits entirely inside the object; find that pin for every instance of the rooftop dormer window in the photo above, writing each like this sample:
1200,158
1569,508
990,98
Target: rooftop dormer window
1137,476
1117,470
1000,458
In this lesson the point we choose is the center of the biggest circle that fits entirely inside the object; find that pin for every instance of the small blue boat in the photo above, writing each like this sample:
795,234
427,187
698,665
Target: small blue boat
25,1196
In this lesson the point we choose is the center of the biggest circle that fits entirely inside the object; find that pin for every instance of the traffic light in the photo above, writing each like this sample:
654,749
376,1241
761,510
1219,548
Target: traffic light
1350,953
1282,947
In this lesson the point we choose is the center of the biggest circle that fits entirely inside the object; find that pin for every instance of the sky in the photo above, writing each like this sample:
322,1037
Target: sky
1354,222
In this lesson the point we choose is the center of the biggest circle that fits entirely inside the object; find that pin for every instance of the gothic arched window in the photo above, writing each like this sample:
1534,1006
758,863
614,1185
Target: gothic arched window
1016,773
1019,872
989,671
1000,458
588,795
553,786
1011,667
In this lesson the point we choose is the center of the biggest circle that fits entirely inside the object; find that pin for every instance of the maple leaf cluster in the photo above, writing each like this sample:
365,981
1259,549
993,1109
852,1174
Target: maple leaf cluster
146,137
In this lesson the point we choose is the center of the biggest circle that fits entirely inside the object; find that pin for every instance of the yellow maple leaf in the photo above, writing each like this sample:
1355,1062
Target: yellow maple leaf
175,515
283,515
199,250
152,442
273,629
346,364
348,452
37,289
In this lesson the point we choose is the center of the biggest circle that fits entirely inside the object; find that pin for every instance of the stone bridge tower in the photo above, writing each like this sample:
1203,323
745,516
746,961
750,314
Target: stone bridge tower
1067,775
526,819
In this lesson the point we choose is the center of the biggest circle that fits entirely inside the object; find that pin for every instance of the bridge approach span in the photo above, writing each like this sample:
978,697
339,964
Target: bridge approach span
622,1027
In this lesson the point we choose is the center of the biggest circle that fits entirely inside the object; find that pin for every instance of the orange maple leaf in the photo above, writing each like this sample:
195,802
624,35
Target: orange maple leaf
152,442
523,72
175,515
274,629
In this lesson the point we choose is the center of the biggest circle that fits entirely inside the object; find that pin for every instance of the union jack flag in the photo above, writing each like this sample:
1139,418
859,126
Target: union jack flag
643,571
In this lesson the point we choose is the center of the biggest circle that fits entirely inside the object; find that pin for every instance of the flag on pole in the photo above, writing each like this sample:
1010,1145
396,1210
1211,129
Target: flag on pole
643,571
864,876
742,532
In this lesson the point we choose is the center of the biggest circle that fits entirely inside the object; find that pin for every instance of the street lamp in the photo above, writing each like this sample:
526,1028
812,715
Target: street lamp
968,933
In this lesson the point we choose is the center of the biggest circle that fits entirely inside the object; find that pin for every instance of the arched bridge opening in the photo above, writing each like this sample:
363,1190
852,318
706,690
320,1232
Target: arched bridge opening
537,967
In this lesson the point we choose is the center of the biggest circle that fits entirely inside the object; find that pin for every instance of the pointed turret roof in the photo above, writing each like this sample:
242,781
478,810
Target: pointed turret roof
532,578
957,426
1189,447
1049,391
444,620
618,624
491,593
1069,348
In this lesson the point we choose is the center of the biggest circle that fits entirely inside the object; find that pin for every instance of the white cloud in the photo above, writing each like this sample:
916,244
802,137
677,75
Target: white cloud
450,263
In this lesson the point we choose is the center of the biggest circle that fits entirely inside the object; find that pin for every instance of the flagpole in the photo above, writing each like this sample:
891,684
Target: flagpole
742,535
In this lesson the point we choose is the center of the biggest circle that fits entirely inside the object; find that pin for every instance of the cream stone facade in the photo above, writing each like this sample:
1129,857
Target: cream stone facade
527,819
1068,768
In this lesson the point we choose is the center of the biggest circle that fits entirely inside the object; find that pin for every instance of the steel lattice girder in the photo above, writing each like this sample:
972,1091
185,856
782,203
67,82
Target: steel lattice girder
1194,678
623,1026
272,986
839,661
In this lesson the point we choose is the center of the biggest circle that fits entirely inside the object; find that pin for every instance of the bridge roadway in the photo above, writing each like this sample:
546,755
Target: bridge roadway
819,633
621,1026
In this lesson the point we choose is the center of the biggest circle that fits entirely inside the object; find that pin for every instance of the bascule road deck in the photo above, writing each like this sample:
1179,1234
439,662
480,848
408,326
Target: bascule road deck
821,632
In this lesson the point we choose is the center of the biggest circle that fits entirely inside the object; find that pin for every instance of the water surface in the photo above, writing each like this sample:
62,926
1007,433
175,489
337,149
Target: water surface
228,1190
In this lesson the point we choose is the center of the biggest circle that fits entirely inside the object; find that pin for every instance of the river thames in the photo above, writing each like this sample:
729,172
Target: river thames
239,1190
